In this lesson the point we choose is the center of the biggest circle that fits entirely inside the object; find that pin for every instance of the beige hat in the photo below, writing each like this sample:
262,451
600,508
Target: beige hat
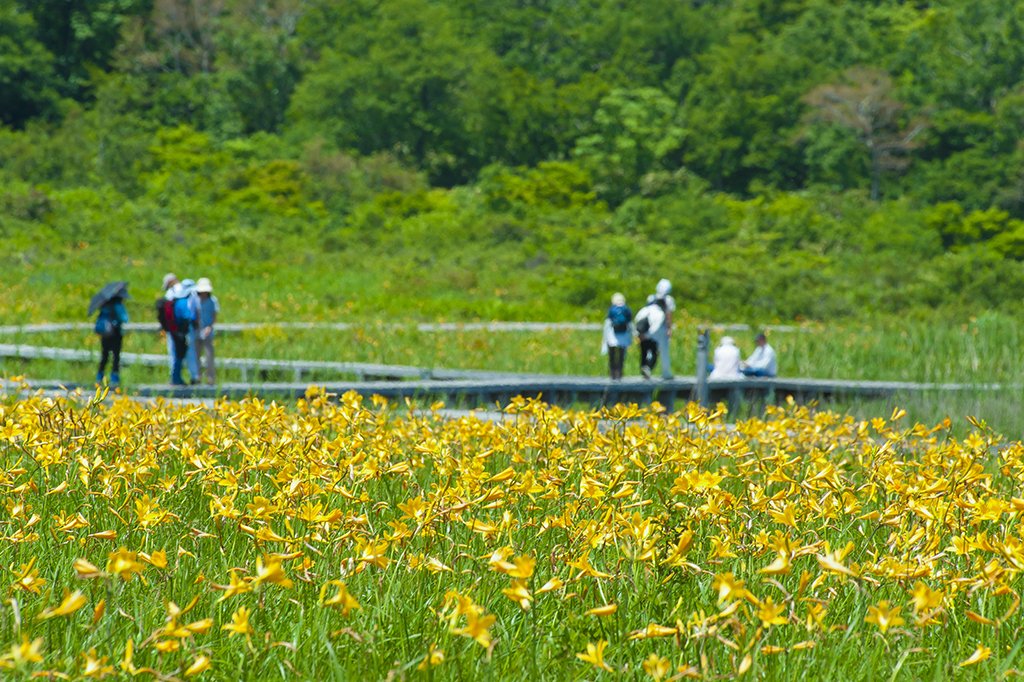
203,286
618,299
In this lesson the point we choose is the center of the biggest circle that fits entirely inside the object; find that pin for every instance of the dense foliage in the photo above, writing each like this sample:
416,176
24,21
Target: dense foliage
775,158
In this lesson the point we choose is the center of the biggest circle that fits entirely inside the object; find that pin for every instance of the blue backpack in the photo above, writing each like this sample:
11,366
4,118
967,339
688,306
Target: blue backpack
107,322
620,316
183,314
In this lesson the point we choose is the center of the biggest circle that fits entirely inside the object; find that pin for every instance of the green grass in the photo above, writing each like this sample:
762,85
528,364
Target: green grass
979,351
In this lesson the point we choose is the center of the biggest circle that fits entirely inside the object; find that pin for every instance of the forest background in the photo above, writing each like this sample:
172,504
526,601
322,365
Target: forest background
458,159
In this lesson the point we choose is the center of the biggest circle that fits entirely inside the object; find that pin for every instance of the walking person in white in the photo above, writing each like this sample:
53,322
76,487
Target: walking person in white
727,361
664,333
647,322
762,362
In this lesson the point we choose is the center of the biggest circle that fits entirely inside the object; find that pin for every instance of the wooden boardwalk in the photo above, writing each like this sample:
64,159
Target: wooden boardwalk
566,391
474,388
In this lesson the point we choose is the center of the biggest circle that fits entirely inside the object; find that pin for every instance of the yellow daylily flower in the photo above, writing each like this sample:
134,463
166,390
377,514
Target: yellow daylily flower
594,655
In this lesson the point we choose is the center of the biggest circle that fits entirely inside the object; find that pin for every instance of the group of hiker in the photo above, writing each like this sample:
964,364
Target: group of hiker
187,313
652,327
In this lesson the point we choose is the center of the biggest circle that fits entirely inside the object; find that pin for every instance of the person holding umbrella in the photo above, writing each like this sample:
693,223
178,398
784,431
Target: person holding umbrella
109,326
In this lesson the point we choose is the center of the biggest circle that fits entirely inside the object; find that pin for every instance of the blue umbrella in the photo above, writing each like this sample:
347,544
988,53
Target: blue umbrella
111,291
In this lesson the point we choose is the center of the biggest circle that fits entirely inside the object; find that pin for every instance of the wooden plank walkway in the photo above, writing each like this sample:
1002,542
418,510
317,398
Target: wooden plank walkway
478,387
565,391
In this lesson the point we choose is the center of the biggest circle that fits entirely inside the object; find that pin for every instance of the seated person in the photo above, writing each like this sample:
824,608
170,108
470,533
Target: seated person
762,362
727,361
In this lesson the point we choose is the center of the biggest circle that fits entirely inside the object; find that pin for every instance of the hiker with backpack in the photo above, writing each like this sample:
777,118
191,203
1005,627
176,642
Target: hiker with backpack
649,320
176,318
192,356
110,327
618,334
170,281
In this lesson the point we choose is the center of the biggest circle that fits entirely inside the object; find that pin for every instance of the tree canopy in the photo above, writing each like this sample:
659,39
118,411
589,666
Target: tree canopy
820,140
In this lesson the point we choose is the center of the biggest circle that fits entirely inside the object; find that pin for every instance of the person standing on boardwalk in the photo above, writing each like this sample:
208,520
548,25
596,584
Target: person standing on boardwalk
762,362
192,357
618,334
110,327
663,334
649,320
170,281
184,323
208,310
176,318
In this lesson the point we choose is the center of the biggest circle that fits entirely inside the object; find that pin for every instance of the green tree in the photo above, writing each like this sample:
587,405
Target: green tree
400,94
634,132
863,103
741,109
82,34
258,61
27,79
178,35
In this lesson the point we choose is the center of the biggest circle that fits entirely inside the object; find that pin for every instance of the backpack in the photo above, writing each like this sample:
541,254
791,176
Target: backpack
643,322
620,316
104,327
183,315
165,315
107,323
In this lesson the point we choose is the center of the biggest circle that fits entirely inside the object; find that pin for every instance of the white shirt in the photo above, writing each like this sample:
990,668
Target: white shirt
763,357
653,313
727,363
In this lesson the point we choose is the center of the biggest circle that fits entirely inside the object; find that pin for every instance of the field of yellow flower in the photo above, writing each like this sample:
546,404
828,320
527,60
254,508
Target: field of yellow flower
343,539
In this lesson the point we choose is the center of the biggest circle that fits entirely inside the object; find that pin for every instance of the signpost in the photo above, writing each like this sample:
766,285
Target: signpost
703,341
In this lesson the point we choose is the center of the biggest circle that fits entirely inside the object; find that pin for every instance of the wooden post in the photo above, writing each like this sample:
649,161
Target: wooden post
703,341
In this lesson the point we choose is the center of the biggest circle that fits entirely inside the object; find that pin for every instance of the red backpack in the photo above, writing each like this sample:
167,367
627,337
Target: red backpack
165,315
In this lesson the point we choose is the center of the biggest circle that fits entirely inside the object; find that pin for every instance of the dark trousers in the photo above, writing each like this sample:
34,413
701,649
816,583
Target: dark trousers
616,358
111,345
180,350
648,353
